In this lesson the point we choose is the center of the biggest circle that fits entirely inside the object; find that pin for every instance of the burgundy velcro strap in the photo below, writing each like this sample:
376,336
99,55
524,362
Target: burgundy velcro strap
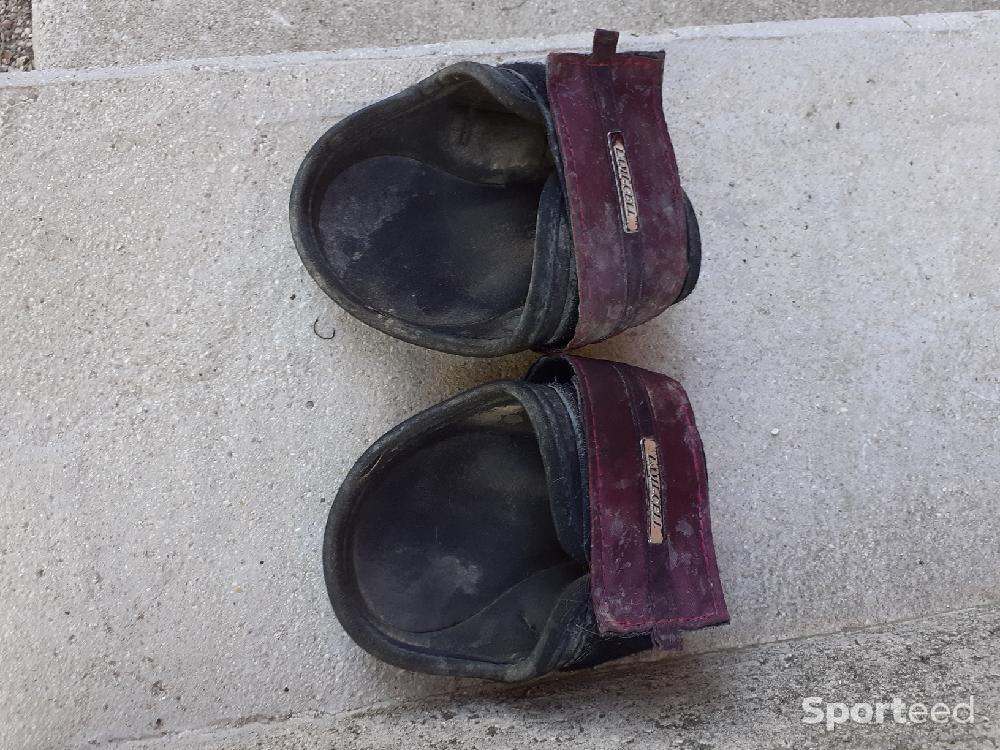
652,559
625,202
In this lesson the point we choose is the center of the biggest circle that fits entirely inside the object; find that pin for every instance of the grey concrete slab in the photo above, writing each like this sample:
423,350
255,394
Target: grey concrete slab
80,33
172,431
749,698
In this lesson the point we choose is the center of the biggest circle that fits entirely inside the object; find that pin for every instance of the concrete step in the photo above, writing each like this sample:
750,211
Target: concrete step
749,698
172,430
85,33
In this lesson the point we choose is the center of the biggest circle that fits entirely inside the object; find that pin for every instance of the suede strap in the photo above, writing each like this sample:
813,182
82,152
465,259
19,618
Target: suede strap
652,559
624,195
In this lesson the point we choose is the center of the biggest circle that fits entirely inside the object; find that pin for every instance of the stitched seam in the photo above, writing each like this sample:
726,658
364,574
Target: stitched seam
667,621
681,218
625,315
632,301
597,538
640,291
568,149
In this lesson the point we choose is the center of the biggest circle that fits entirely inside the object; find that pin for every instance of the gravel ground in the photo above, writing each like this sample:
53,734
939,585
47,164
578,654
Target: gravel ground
15,35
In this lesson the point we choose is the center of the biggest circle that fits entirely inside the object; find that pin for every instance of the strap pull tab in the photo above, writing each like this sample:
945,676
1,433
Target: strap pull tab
605,43
666,638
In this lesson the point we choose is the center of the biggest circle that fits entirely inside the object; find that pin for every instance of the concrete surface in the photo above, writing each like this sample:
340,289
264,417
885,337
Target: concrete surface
15,35
748,698
172,430
80,33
